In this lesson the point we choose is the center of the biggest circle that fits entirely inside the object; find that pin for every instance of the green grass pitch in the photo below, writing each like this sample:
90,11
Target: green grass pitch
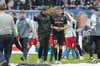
32,59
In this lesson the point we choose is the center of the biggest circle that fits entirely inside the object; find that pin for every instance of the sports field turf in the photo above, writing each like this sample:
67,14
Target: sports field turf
32,59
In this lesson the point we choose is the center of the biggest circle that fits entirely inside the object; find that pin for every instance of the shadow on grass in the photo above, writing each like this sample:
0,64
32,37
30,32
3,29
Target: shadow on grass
24,64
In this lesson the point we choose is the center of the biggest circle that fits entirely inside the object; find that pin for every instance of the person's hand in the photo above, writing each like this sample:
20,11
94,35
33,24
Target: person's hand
66,12
35,15
61,28
51,45
17,34
77,30
37,45
57,28
90,30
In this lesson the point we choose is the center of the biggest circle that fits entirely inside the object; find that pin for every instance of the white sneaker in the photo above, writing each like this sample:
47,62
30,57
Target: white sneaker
56,62
81,58
59,62
45,62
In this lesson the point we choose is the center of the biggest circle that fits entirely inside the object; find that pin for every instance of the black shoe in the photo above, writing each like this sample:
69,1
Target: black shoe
98,61
23,58
3,63
91,60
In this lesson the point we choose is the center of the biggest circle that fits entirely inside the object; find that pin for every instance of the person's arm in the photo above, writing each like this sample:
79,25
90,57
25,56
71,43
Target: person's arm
35,17
93,21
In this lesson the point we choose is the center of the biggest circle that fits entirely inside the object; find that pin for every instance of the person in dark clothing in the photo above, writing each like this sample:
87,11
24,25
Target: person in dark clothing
58,25
18,5
43,33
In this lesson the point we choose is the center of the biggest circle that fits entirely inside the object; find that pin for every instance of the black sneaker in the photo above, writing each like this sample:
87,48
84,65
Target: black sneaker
91,60
3,63
23,58
98,61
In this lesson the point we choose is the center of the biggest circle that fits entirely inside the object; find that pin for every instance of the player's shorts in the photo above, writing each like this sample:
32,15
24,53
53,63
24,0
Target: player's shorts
59,39
33,41
70,42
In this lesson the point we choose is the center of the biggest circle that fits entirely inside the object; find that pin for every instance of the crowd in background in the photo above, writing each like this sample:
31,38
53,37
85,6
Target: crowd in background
36,4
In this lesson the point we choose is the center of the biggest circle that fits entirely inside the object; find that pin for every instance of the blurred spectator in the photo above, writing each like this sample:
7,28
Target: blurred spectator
49,2
59,3
18,5
39,2
89,3
66,3
10,4
29,4
2,2
23,1
73,4
97,3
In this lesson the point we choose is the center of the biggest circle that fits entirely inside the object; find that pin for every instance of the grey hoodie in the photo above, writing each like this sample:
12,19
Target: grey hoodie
23,26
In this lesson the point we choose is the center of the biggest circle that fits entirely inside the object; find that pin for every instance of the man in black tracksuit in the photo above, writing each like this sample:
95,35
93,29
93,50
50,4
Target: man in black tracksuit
43,33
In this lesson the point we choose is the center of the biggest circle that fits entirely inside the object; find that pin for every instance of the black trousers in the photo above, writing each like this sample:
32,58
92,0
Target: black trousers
23,42
77,45
5,46
96,39
15,41
43,49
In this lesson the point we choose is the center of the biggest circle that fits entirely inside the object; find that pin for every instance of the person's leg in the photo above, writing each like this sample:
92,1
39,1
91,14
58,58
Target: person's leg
55,41
51,55
41,48
46,48
74,49
8,46
24,47
3,61
78,46
64,53
60,53
1,49
55,51
68,46
17,44
89,48
52,49
61,40
97,42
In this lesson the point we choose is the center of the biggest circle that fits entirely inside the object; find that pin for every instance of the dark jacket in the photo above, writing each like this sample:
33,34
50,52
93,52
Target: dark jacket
43,25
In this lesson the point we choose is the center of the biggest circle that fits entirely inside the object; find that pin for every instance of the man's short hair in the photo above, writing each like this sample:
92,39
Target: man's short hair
58,8
94,8
2,7
22,11
13,12
44,8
